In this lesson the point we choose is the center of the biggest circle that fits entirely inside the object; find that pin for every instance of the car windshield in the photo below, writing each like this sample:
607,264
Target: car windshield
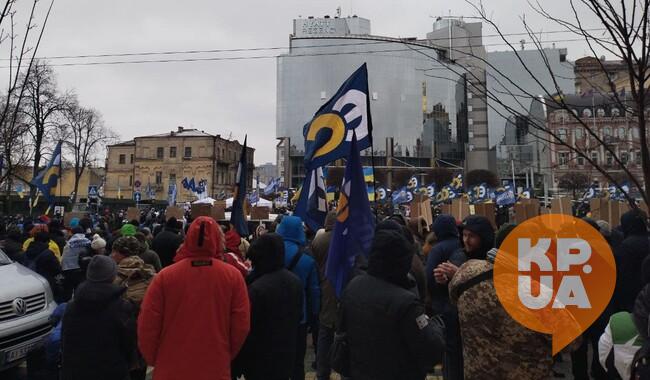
4,259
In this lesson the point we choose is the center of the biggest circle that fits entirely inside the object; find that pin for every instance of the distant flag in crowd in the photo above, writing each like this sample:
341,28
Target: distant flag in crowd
355,224
368,174
46,181
505,196
331,193
20,189
171,194
371,193
328,135
457,182
312,201
254,197
272,186
431,191
527,193
238,216
591,192
413,184
382,194
401,196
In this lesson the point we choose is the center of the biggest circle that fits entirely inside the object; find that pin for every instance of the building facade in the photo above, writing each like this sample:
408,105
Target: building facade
91,176
266,172
413,96
617,129
157,161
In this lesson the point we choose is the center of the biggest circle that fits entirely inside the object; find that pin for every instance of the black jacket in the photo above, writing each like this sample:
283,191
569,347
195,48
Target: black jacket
165,244
13,249
41,260
388,335
97,334
642,311
629,256
276,310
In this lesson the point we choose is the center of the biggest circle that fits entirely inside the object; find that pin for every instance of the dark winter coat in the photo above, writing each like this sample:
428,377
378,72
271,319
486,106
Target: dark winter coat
165,244
389,335
40,259
629,256
97,334
276,309
320,249
13,249
448,242
481,226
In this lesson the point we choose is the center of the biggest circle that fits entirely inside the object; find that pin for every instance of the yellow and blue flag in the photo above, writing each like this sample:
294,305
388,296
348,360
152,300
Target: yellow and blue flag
47,180
368,174
329,134
355,223
237,216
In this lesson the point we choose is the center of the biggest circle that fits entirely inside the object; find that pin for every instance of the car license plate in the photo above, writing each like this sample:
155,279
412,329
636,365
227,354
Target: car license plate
19,353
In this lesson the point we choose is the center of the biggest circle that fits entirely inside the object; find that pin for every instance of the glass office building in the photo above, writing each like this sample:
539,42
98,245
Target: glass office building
418,100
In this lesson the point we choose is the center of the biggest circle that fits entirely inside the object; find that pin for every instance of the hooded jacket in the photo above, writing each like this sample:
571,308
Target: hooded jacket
388,333
629,256
448,242
195,315
276,310
481,226
293,234
77,245
233,255
97,334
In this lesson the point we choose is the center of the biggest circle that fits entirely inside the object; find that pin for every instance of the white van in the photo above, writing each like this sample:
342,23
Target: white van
26,304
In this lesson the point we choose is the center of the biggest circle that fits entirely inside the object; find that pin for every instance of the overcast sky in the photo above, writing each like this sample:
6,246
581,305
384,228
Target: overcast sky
219,97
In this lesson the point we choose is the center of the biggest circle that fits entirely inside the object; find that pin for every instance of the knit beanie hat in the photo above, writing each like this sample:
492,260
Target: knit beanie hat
127,246
98,242
128,230
101,269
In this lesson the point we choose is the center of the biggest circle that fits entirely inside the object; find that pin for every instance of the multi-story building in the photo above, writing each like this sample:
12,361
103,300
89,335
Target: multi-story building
266,172
416,94
154,162
617,129
595,75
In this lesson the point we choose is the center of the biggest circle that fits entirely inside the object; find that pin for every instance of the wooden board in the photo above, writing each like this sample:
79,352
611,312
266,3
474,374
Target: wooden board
526,209
487,210
219,212
561,206
201,210
174,212
259,213
133,213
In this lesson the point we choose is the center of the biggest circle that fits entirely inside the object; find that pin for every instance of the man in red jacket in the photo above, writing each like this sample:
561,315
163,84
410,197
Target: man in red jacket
196,315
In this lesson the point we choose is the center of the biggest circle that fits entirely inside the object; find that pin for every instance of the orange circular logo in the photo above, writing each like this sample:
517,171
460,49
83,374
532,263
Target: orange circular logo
555,274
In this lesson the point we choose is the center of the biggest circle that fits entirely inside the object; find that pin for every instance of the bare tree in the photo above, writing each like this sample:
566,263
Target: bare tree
85,136
574,181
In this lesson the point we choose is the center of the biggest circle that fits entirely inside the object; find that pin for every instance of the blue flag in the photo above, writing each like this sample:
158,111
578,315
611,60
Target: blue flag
355,223
329,134
171,194
237,216
47,180
402,195
254,197
312,203
505,196
272,186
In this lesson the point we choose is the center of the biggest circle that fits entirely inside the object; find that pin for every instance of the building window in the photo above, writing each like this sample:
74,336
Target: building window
122,159
579,133
607,131
158,178
130,180
131,157
609,158
621,133
635,133
586,112
616,112
172,178
172,152
600,112
580,160
561,134
563,158
594,157
159,153
637,157
624,157
188,152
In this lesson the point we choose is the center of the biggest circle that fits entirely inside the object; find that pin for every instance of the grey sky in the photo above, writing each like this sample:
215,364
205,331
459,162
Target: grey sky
220,97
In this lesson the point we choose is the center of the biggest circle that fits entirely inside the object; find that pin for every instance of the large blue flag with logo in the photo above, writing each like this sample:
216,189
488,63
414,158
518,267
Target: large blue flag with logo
47,180
355,223
329,134
312,203
237,216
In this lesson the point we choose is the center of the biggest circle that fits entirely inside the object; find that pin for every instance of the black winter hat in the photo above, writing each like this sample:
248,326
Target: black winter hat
481,226
267,253
391,256
101,269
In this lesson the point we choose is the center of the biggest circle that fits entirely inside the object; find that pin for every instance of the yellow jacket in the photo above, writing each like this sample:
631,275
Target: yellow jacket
51,245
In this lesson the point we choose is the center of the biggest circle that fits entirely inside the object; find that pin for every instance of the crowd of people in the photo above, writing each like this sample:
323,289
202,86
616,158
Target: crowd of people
195,300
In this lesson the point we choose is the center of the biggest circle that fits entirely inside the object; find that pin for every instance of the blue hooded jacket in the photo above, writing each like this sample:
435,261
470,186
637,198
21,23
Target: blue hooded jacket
293,234
448,241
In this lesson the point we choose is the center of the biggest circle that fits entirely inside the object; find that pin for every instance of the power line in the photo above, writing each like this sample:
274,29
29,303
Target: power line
258,57
239,50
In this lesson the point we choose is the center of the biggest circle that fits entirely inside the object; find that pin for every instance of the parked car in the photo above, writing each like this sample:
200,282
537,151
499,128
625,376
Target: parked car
26,303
